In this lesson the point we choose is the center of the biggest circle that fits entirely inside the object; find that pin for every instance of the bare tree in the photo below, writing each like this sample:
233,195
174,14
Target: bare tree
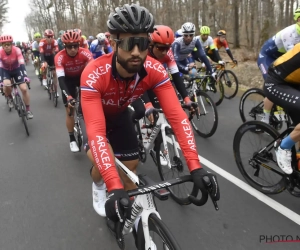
3,13
247,22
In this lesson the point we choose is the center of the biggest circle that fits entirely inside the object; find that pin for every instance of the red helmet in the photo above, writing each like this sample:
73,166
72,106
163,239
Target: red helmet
70,36
162,34
48,32
78,30
6,38
107,34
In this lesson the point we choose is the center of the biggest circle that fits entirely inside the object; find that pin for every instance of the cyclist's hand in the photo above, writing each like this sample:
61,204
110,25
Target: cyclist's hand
149,112
26,79
45,64
198,175
70,101
188,102
235,61
113,209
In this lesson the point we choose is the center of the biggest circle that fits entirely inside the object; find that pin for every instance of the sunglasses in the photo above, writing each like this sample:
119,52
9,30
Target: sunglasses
38,37
71,46
163,48
129,43
49,37
6,44
188,35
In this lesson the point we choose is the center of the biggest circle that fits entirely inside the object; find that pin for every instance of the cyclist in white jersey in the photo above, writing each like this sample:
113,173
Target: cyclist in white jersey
207,43
273,48
183,46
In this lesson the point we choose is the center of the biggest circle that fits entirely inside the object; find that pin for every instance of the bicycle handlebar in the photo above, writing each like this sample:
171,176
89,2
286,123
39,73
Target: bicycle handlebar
71,108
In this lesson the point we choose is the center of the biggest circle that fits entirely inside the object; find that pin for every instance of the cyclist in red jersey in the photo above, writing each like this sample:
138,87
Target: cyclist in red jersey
83,42
160,49
69,64
220,41
48,47
112,82
12,66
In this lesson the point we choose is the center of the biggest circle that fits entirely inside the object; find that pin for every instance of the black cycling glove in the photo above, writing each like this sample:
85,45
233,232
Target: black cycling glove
114,210
198,175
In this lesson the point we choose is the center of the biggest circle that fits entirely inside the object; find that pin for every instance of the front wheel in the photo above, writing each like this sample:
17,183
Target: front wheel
255,157
230,84
22,113
54,95
207,121
160,236
78,135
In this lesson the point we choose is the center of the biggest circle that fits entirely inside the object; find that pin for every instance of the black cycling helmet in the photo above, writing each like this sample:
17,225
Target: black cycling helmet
130,19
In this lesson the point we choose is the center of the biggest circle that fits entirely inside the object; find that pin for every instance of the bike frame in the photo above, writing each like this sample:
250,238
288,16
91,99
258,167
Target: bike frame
143,204
161,126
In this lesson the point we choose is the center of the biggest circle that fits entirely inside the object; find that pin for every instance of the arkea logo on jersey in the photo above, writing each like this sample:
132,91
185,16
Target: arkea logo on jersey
170,55
95,75
189,134
88,55
156,66
59,60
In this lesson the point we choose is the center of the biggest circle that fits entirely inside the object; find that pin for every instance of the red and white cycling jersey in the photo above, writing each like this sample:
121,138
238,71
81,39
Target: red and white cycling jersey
104,94
168,59
72,66
48,49
11,61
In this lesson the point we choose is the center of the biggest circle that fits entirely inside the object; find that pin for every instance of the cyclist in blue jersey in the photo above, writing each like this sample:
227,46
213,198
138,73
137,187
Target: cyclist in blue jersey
276,46
178,33
98,45
183,46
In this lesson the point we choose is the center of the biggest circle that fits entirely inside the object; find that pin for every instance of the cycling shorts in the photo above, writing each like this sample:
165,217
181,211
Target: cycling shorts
17,74
285,95
71,84
36,54
50,60
121,135
267,55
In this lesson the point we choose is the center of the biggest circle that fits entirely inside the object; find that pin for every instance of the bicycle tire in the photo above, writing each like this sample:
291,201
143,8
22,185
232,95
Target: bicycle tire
225,86
206,98
49,88
54,95
156,225
77,134
219,92
22,113
178,168
243,99
263,128
258,110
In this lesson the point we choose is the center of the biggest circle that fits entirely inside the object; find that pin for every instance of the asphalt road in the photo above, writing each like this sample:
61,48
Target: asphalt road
46,198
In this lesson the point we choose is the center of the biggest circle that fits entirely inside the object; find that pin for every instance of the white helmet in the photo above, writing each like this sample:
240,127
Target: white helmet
188,28
101,37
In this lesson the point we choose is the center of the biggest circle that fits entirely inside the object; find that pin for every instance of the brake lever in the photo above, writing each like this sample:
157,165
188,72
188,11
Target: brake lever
208,185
